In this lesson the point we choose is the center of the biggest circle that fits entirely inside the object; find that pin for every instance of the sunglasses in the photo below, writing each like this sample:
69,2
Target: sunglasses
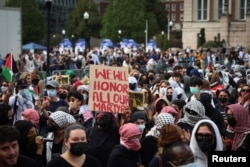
245,90
191,112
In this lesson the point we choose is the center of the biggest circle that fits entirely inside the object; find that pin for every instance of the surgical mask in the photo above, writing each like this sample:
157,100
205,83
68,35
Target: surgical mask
141,127
194,90
163,91
4,88
78,148
51,92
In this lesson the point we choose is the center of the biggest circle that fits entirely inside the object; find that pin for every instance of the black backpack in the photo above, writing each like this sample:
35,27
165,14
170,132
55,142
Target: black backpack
79,63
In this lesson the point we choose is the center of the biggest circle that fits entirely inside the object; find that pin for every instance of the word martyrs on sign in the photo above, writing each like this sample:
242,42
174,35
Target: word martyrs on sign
109,91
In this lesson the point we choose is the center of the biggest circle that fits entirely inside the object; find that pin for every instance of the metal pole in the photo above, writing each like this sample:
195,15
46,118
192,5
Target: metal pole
168,32
48,5
146,35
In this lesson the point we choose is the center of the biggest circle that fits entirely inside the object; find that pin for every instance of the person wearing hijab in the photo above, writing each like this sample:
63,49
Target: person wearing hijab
30,144
211,112
194,111
103,136
205,137
127,152
150,142
237,135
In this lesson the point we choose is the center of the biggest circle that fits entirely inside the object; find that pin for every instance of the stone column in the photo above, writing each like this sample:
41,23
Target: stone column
247,35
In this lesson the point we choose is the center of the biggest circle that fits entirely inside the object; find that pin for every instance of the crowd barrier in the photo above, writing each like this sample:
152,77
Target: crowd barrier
79,72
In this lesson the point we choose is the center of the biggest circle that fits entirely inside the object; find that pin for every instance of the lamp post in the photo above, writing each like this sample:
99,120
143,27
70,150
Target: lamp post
162,39
86,19
48,6
170,24
63,33
119,34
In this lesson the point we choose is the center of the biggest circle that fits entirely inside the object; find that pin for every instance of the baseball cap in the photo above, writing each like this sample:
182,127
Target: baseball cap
53,83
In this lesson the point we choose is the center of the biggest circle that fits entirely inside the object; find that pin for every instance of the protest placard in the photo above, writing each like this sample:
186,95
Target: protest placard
136,100
108,89
62,79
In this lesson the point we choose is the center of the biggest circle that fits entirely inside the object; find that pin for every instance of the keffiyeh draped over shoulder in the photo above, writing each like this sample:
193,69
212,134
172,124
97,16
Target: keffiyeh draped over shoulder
242,127
62,119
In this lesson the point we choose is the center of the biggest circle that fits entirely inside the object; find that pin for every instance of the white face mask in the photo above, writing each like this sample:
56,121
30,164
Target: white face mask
141,127
163,92
4,88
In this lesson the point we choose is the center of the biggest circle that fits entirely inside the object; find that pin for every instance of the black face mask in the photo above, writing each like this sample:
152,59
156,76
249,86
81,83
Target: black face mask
223,100
178,96
78,148
132,86
51,128
136,77
62,96
35,81
169,97
151,78
104,123
205,144
231,121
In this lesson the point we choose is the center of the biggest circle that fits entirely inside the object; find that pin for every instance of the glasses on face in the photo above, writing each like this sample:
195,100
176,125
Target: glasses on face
191,112
181,162
245,90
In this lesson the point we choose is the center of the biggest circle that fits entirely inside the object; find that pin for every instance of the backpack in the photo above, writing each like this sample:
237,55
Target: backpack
79,63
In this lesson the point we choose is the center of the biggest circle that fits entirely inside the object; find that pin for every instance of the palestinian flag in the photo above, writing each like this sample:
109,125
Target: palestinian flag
7,68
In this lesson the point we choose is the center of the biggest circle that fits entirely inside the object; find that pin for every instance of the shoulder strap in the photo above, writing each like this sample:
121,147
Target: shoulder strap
15,107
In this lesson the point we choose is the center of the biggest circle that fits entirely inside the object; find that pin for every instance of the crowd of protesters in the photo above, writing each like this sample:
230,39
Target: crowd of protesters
196,101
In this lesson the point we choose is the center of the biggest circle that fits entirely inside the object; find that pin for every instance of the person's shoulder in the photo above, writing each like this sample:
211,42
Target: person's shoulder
25,161
92,161
58,161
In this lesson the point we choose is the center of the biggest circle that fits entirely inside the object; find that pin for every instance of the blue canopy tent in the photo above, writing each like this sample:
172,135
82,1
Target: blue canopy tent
65,44
33,45
151,45
80,45
106,43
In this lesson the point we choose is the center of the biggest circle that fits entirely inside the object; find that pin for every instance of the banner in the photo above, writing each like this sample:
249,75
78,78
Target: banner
108,89
136,100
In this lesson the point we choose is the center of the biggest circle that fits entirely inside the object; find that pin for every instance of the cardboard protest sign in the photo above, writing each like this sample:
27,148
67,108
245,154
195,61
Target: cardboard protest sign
108,89
62,79
136,100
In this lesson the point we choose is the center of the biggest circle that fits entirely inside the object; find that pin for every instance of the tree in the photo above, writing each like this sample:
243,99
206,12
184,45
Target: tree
157,8
129,16
202,37
77,24
33,21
